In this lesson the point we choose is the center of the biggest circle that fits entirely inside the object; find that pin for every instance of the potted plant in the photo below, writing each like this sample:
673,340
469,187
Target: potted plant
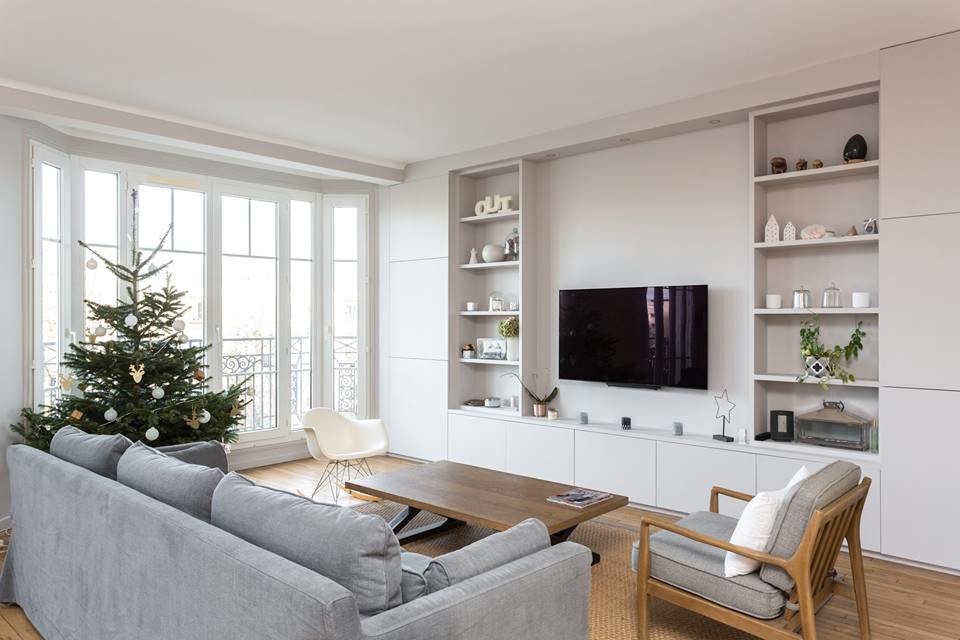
827,364
509,328
539,402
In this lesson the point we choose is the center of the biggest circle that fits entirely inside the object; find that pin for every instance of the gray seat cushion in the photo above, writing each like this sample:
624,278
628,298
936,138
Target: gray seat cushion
413,584
188,487
523,539
97,453
209,454
816,492
359,552
698,568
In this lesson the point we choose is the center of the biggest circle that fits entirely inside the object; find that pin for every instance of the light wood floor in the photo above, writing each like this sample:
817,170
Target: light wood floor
905,603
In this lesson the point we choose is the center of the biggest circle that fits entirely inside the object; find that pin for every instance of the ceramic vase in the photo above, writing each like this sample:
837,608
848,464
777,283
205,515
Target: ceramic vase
513,349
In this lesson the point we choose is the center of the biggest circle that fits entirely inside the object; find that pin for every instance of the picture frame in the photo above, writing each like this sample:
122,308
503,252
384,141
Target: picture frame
492,348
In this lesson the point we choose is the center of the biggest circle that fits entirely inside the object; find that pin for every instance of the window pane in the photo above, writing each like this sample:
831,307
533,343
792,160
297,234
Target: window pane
345,298
263,225
188,220
100,208
345,245
99,284
50,317
301,237
186,271
50,201
235,214
249,335
301,299
155,215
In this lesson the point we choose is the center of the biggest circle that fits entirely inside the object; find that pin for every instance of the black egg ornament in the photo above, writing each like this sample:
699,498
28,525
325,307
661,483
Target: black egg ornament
856,149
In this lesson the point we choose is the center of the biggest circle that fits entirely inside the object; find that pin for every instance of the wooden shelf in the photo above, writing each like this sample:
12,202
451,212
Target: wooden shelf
838,311
489,314
491,217
826,173
821,243
792,379
502,363
482,266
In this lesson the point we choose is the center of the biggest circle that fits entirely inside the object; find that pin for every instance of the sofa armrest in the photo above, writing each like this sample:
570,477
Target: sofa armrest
543,596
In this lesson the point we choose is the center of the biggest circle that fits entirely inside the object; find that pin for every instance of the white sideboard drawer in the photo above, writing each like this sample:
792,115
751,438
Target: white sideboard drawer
481,442
686,473
540,452
618,464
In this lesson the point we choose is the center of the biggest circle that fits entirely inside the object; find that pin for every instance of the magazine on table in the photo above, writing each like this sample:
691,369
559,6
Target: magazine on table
580,498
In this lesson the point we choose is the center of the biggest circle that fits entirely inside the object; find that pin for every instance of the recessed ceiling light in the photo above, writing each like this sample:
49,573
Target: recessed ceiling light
624,139
551,155
714,122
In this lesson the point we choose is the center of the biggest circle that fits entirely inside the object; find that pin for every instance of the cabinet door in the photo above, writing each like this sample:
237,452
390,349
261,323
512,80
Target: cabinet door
477,441
618,464
918,260
539,452
919,441
774,472
417,423
418,315
919,102
418,219
686,473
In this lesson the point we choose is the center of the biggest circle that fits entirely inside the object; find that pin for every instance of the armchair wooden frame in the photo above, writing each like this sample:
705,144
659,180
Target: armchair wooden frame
811,567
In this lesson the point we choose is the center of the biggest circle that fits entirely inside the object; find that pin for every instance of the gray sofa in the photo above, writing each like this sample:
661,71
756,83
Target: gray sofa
92,558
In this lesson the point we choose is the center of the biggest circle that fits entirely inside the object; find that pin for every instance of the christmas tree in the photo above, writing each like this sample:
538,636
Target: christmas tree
136,374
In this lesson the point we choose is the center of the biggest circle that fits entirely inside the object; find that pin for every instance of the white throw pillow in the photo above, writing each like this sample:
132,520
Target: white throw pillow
755,526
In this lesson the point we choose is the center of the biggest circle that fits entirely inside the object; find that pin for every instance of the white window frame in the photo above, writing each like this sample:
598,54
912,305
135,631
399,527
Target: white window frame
41,154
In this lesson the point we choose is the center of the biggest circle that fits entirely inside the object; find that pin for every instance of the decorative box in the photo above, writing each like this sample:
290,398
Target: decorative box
832,426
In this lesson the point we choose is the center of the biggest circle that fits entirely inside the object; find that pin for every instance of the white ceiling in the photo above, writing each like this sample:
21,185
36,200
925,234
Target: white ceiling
406,80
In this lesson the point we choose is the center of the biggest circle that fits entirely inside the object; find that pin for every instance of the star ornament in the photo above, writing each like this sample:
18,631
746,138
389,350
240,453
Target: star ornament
724,406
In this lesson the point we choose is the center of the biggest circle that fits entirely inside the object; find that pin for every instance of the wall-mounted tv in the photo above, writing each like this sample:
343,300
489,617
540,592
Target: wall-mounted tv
635,336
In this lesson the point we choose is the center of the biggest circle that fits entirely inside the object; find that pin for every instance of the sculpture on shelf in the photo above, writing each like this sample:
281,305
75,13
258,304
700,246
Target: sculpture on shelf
817,164
724,412
813,232
473,256
801,164
771,233
789,232
492,204
778,165
855,150
871,226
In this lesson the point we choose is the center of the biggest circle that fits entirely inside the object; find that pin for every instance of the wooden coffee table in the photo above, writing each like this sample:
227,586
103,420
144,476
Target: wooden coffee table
462,494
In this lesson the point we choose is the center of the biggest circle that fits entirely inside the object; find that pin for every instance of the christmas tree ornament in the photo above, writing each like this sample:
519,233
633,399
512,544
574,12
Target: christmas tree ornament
76,414
183,338
157,392
151,434
92,264
131,320
136,372
236,409
91,337
179,324
100,331
204,416
110,414
66,382
193,421
199,375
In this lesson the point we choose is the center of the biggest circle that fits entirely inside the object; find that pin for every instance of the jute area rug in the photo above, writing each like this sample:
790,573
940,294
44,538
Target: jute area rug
613,587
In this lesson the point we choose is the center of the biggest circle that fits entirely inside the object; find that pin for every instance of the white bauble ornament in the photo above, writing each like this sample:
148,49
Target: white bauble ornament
92,264
100,331
157,392
203,416
131,320
183,338
110,414
151,434
179,324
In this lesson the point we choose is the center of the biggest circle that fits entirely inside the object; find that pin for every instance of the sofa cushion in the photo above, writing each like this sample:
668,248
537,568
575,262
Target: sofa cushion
413,583
360,552
698,568
188,487
816,492
523,539
209,454
97,453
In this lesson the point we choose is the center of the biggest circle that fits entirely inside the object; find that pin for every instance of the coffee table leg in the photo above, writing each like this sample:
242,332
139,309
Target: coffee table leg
563,536
402,519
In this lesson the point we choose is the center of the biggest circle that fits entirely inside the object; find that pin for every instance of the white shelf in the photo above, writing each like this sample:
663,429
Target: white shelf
822,242
488,314
491,217
497,411
481,266
792,379
794,448
826,173
834,311
502,363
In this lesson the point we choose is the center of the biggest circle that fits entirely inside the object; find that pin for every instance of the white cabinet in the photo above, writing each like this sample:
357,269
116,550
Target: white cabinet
619,464
774,472
418,219
481,442
919,102
417,422
685,475
919,441
418,311
540,452
918,261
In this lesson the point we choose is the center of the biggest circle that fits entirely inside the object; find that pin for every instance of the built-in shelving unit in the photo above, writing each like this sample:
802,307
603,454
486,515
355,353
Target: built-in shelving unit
492,217
838,196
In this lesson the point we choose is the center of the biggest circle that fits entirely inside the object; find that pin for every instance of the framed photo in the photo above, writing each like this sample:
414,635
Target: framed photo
492,348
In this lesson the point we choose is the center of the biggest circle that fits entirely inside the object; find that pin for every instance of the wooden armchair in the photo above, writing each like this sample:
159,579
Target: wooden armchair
804,579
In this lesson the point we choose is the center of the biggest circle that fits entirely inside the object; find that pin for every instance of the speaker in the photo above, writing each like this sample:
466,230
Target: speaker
781,426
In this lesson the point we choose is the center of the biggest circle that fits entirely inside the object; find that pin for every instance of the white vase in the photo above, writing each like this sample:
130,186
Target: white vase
492,253
513,349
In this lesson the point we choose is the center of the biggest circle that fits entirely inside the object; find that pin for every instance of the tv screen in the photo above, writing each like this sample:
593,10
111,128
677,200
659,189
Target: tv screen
635,336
